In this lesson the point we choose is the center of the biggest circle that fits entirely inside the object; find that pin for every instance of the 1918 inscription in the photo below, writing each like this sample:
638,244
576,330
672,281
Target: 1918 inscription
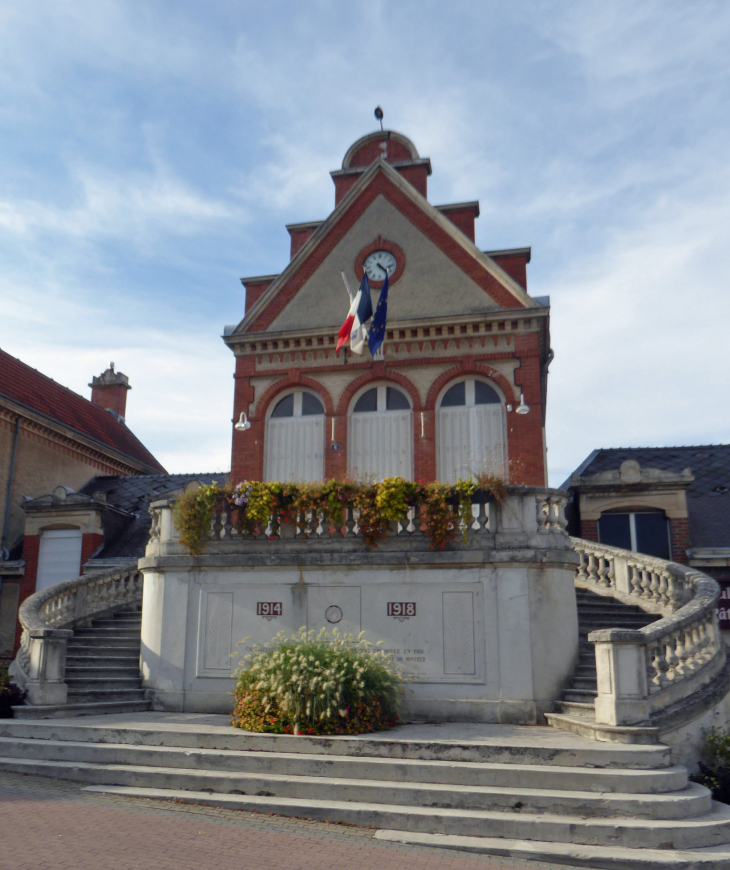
401,608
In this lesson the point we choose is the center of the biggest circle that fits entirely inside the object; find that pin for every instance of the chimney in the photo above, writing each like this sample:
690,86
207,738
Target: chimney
109,391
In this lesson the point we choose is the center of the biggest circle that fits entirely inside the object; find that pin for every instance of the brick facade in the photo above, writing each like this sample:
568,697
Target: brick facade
497,342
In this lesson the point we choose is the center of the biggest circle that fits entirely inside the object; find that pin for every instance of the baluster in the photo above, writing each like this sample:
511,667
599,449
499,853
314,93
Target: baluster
671,659
592,569
663,597
634,579
561,503
659,667
484,517
645,583
581,575
611,575
653,586
216,526
603,572
680,649
410,528
542,508
356,515
350,523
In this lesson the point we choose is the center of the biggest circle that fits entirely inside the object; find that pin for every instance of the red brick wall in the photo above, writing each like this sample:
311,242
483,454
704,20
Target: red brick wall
111,396
514,266
589,530
463,218
372,150
254,291
679,532
299,239
31,548
89,545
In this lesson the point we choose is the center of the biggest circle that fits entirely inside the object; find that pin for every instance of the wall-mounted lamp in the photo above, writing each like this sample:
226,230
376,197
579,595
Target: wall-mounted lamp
522,408
243,423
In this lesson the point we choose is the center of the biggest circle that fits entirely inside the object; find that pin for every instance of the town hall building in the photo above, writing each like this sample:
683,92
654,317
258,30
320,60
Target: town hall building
461,385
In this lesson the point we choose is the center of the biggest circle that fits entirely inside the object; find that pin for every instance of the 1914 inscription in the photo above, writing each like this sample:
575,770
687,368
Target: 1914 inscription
269,609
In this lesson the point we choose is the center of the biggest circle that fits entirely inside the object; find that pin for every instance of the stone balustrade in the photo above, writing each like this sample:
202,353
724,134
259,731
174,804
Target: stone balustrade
644,672
48,618
525,511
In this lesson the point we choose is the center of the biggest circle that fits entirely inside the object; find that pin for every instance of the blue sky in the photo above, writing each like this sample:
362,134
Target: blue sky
152,153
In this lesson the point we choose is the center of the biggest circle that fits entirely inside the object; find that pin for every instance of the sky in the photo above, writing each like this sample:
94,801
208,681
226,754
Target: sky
152,154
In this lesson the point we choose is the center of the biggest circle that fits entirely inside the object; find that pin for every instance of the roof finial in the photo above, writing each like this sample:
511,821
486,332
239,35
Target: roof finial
379,115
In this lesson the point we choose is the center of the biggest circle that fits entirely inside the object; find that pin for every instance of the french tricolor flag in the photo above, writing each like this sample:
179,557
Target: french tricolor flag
361,310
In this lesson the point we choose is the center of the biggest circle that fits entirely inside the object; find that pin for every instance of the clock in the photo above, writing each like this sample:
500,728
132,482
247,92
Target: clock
379,255
378,261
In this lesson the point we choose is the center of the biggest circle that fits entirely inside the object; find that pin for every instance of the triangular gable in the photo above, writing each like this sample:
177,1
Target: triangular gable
381,180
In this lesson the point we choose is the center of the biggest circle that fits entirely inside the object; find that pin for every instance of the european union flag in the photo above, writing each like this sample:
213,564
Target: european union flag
377,329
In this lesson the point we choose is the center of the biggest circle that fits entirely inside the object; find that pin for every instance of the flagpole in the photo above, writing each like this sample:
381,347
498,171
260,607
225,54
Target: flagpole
347,286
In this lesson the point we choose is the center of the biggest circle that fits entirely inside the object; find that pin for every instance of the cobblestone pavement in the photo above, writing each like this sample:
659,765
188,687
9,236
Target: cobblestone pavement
49,823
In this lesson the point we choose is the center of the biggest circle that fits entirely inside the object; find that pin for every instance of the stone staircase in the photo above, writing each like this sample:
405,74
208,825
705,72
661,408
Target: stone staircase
529,792
102,670
575,708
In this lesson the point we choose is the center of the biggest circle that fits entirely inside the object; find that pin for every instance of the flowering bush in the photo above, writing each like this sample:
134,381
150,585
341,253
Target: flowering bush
253,505
323,683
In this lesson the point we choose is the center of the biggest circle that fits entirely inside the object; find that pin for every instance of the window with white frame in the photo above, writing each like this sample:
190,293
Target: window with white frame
471,431
641,531
295,438
380,434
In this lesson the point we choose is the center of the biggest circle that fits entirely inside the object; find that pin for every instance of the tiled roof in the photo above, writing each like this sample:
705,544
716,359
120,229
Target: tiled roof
28,387
708,496
133,495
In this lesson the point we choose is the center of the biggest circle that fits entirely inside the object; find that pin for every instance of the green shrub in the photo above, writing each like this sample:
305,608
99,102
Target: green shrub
323,683
714,764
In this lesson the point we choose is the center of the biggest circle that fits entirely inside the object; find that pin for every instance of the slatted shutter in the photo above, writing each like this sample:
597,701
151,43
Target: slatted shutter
487,443
295,447
380,443
454,443
59,557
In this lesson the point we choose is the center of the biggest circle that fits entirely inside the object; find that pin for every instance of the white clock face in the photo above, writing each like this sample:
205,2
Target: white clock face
377,262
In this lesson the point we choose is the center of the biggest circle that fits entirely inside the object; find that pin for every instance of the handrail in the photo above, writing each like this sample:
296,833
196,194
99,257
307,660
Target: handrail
47,618
643,672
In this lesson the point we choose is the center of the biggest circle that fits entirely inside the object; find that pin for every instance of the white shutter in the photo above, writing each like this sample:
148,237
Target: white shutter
454,444
59,557
380,445
295,448
488,439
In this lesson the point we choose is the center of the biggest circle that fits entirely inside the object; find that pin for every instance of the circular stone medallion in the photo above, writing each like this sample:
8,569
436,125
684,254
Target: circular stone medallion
333,614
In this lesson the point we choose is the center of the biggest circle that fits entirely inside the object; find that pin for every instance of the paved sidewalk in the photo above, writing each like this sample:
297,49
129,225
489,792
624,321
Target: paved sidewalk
50,824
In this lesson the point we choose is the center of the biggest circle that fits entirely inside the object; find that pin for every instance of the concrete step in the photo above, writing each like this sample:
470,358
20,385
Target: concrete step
131,621
712,829
92,646
597,781
576,709
86,683
66,711
580,682
580,696
571,854
91,696
104,634
465,743
130,658
692,802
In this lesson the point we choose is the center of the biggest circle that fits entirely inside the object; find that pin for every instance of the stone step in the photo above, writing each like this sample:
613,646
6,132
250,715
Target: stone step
465,743
583,726
91,646
597,781
692,802
712,829
82,672
100,659
87,683
118,620
90,696
103,634
580,681
571,854
66,711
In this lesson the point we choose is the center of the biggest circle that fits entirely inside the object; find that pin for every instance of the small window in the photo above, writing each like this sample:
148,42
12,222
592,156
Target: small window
396,401
484,394
642,532
284,407
311,405
367,402
454,396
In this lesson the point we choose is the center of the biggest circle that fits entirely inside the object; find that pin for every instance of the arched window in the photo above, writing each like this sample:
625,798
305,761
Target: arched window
380,441
295,438
471,431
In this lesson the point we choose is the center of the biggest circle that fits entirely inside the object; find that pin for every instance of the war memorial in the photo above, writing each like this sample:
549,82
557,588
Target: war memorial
560,685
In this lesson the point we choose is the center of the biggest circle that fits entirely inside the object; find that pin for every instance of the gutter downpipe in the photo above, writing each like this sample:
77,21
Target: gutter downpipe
4,553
